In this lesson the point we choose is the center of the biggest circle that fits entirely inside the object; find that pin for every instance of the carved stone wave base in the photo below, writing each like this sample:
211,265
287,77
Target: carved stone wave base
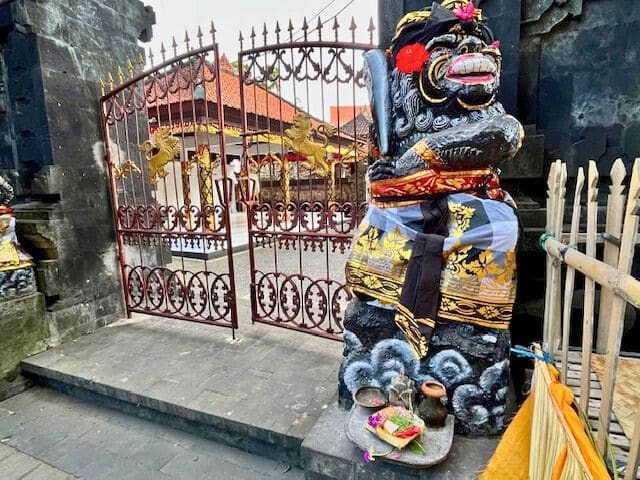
436,442
472,362
14,283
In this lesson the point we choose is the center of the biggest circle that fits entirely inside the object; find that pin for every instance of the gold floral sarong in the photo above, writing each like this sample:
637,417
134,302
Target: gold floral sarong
477,281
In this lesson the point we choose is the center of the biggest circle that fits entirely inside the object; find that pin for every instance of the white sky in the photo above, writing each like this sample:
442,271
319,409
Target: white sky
231,16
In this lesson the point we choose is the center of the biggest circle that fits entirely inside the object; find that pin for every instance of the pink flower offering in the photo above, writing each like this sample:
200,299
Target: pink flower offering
466,13
368,457
496,44
377,402
376,420
395,456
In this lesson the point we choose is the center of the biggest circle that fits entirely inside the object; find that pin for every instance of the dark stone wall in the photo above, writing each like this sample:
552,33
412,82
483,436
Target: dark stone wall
578,81
54,53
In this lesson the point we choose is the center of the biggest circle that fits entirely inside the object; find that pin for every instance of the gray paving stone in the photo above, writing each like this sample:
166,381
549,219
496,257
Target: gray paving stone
16,466
269,383
114,446
45,472
5,451
189,465
155,454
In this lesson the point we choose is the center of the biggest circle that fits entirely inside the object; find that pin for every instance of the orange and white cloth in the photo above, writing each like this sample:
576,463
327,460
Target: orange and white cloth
546,440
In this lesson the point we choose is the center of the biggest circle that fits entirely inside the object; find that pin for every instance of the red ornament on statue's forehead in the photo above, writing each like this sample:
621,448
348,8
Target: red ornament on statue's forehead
411,58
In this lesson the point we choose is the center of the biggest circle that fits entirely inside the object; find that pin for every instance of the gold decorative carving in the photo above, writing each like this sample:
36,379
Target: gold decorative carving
205,167
299,138
128,166
159,150
205,180
186,187
9,258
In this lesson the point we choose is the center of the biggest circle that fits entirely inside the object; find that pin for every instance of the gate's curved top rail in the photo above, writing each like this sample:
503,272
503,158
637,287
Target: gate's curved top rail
155,69
309,43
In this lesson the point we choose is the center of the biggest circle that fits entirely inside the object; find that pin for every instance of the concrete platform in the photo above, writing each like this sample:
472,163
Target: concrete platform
262,392
271,392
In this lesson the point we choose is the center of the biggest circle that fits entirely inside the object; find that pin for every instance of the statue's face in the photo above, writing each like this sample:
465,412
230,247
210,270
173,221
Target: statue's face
466,69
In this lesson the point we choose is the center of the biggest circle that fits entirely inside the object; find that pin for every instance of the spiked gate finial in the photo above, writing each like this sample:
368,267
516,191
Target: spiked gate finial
199,36
120,75
213,32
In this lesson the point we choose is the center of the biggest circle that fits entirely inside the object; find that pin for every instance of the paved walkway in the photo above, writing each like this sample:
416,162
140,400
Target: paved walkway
50,436
17,465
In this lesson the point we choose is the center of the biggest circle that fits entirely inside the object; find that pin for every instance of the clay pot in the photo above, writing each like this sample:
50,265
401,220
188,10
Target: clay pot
432,408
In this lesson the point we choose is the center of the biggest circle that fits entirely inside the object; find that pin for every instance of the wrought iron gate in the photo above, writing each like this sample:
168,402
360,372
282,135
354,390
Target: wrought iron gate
303,172
171,194
300,176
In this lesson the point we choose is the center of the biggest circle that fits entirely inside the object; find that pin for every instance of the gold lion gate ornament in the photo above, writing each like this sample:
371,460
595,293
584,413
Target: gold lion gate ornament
161,149
299,138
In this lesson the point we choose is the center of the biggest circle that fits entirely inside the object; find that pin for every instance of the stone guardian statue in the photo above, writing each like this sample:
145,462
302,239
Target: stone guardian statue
433,264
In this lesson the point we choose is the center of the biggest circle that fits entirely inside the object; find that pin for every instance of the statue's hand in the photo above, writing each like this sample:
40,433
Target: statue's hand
474,145
381,169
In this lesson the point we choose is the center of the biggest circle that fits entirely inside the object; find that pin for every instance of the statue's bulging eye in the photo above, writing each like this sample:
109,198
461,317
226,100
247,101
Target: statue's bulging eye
463,49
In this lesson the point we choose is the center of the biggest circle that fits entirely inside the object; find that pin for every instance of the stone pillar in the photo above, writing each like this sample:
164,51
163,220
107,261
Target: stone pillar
53,55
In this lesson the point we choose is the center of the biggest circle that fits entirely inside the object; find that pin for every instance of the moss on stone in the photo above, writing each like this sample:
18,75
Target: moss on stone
23,330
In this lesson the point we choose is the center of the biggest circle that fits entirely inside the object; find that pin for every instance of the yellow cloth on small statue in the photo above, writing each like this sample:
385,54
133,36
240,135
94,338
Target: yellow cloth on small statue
9,256
510,461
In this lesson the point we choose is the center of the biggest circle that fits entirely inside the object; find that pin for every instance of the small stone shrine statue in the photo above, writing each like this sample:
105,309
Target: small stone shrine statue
433,266
402,392
16,266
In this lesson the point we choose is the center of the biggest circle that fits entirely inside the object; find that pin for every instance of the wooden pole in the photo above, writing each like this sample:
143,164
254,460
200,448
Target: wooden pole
551,197
570,276
618,305
634,452
589,286
556,266
623,285
615,216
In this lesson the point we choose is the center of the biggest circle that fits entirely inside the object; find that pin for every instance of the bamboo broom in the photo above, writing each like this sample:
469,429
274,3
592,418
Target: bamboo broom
555,453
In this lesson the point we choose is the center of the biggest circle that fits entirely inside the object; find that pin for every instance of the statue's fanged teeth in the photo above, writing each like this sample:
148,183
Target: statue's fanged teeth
472,68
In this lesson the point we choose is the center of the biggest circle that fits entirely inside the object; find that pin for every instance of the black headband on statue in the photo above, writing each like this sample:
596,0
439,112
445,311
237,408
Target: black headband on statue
439,21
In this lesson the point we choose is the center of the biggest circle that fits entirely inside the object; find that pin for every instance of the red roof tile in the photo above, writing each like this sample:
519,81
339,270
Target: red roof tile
257,99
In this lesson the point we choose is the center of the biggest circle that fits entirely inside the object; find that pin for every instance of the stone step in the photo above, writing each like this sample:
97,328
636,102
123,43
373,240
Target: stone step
262,392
